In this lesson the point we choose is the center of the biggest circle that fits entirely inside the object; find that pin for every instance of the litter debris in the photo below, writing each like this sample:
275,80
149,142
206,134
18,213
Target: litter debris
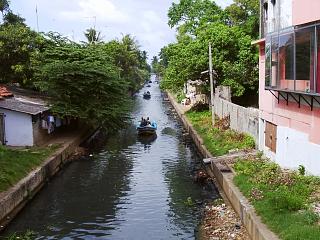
221,222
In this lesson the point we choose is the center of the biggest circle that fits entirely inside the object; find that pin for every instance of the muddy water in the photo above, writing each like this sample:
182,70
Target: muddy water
132,188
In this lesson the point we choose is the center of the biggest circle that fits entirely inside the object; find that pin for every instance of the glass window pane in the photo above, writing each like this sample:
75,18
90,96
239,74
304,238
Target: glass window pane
318,60
286,62
305,60
274,61
268,62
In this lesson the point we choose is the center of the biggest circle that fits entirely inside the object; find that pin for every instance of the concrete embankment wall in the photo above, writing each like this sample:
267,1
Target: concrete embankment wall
245,120
13,200
256,229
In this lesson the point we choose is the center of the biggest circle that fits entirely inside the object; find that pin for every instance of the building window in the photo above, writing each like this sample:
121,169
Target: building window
286,61
274,61
265,9
305,45
268,63
293,60
318,61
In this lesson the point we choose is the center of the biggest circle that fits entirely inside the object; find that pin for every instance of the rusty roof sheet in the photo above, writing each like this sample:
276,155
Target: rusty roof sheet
4,92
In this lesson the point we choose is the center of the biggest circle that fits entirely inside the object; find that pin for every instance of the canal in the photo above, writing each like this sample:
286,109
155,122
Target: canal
131,188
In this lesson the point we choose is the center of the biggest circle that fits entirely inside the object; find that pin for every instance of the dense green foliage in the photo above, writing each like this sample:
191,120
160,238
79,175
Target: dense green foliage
83,82
16,164
91,80
218,141
229,31
283,199
17,45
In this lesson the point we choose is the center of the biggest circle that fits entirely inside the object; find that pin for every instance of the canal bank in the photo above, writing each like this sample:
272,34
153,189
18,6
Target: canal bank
230,193
13,200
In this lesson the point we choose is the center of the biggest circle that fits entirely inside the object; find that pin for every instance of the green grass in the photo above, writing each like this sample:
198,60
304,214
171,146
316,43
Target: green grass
17,163
217,141
28,235
282,198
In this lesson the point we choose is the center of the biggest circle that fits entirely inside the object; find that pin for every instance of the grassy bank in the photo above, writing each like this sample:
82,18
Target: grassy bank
17,163
284,199
218,141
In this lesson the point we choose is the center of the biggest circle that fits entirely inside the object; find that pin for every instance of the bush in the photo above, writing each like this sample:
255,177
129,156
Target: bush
284,199
200,107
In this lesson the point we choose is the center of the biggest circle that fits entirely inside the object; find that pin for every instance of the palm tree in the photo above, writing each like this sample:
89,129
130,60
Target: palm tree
92,36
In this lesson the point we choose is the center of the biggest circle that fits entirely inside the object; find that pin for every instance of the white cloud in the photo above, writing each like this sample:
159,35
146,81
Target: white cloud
102,10
151,16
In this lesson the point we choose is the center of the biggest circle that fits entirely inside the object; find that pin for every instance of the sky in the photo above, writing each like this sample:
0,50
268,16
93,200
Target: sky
146,20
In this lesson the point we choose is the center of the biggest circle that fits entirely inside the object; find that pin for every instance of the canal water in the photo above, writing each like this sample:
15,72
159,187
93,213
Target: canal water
131,188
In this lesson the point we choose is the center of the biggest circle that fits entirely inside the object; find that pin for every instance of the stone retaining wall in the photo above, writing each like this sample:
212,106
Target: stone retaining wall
13,200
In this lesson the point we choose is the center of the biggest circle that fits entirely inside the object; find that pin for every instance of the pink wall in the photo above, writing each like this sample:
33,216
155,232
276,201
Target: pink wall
304,11
301,119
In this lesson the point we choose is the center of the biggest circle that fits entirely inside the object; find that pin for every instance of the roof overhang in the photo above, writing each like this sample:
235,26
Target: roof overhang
259,42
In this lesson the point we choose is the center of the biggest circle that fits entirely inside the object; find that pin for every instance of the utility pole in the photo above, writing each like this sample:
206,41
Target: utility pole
211,84
37,18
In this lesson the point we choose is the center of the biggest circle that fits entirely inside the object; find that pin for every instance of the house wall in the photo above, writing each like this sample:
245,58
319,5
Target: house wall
298,134
305,11
293,149
18,128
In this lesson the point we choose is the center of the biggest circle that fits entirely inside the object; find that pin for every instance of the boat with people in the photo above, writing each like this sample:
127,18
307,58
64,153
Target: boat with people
147,95
146,127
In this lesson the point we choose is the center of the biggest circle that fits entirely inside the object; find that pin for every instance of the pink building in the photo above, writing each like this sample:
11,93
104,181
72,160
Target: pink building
289,82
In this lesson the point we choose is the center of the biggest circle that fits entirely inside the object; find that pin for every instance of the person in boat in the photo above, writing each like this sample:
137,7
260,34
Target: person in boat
143,122
148,121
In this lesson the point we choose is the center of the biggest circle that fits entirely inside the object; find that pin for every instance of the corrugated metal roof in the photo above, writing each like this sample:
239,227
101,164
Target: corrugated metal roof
22,105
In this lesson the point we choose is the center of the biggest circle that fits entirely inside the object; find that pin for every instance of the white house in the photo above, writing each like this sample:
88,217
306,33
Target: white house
20,119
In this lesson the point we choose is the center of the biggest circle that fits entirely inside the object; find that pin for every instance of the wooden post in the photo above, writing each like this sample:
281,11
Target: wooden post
211,84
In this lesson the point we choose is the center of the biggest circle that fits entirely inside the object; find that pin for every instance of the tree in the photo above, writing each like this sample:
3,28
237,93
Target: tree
245,13
83,82
155,64
4,6
17,45
132,62
200,22
190,14
11,18
93,37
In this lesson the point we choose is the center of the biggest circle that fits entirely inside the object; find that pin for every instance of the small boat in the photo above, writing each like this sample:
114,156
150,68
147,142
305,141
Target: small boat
147,95
148,129
148,85
150,81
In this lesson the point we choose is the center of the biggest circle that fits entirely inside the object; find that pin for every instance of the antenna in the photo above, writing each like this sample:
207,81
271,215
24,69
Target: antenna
95,21
37,18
